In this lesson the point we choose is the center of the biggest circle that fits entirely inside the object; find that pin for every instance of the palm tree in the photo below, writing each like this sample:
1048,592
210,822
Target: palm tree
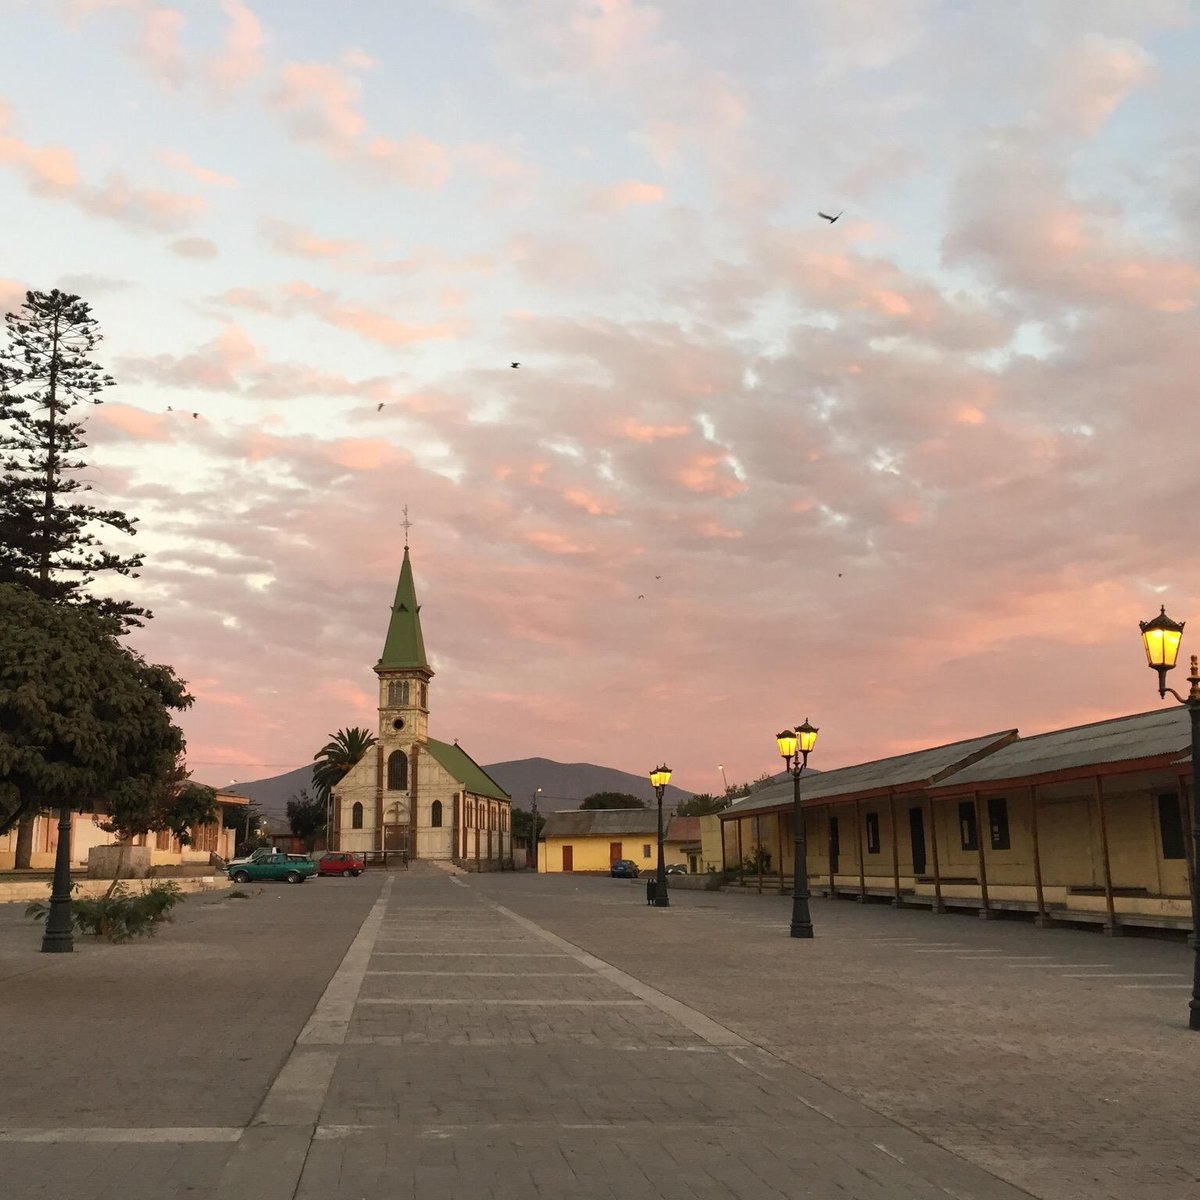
333,761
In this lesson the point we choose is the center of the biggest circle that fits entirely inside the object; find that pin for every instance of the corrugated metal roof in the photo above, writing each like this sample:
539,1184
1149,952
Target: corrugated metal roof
912,771
683,829
466,770
1122,739
601,822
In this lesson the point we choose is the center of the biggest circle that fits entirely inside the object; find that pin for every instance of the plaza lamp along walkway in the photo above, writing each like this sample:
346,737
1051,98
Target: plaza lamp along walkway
659,778
795,745
1161,637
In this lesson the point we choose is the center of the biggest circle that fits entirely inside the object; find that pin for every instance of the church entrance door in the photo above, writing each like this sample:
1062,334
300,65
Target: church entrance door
395,839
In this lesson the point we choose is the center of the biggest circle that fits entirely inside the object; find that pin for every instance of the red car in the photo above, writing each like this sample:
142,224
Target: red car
341,862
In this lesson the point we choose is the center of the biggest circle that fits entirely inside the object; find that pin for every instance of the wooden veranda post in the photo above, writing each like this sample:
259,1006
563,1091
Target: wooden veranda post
741,856
758,850
895,850
1042,918
938,904
980,827
1109,903
862,862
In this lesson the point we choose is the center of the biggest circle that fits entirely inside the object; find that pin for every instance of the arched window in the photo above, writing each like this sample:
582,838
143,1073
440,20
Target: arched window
435,814
397,775
397,693
424,695
356,816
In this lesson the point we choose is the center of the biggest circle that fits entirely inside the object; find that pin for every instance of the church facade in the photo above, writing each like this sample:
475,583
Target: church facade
411,794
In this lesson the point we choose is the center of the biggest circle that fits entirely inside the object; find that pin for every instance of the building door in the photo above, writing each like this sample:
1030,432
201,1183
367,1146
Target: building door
835,846
916,826
614,852
568,858
395,839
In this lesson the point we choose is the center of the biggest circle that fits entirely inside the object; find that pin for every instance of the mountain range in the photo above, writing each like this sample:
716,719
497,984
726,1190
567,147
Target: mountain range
564,786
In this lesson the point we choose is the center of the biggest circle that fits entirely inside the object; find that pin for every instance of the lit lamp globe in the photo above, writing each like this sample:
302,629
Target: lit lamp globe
1161,638
660,777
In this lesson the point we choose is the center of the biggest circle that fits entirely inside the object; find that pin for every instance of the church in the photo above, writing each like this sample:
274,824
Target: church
411,795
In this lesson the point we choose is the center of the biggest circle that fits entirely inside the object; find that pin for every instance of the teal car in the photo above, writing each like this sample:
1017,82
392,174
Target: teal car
289,868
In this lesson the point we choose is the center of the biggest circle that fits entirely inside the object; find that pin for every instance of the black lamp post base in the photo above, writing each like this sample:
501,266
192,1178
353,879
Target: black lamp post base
661,899
801,931
1194,1016
58,944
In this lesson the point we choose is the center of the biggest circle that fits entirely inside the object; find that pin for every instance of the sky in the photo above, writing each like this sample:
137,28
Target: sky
914,475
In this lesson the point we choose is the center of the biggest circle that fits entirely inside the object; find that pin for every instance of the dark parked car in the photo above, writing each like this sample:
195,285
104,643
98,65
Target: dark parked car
677,869
624,868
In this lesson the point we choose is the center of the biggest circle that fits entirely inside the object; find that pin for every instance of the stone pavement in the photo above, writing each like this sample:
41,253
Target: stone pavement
513,1036
1058,1059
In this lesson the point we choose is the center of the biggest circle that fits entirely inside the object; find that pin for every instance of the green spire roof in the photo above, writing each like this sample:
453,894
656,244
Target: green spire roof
404,646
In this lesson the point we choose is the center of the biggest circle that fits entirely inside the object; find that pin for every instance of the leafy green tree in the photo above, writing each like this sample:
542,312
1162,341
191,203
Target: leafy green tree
47,529
333,761
522,824
83,719
306,815
177,805
702,804
612,800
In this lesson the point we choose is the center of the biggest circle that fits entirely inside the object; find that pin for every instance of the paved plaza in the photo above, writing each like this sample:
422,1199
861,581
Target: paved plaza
433,1035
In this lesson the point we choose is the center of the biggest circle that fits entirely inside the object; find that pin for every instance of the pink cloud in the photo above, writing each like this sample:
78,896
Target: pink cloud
292,239
1092,78
181,162
637,431
199,248
632,192
46,168
12,295
158,46
709,474
319,103
299,297
134,424
593,505
416,161
241,57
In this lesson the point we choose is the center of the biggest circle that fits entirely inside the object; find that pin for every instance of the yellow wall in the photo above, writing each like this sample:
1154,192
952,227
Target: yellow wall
592,853
710,843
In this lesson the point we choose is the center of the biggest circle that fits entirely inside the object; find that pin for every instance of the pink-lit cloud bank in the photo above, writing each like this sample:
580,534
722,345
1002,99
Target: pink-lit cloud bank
915,475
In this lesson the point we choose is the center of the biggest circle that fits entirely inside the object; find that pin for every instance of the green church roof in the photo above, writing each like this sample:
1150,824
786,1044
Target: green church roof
404,646
466,770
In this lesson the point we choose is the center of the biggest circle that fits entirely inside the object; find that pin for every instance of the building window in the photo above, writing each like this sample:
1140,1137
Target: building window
470,815
968,831
998,822
646,851
872,833
1170,826
356,816
397,693
162,840
397,771
424,695
435,814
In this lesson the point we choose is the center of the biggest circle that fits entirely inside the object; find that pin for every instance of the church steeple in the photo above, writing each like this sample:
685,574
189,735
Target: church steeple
404,646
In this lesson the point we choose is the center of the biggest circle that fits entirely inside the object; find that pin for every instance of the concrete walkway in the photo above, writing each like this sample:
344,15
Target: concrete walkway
421,1034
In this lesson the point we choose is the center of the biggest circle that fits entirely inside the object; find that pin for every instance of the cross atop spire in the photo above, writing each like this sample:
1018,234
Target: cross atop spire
407,526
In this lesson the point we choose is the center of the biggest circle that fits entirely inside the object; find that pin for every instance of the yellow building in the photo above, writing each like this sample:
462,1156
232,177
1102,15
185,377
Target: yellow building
1086,824
591,841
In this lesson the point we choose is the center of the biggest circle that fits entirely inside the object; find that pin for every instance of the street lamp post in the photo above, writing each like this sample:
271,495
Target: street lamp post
660,777
795,746
1161,637
724,781
58,938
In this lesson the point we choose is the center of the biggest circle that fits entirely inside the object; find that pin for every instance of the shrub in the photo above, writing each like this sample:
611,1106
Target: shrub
119,915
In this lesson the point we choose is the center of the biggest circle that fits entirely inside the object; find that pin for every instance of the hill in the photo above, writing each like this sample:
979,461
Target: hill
564,785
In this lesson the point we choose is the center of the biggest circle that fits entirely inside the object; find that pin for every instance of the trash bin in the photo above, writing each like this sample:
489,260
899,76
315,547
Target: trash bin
651,884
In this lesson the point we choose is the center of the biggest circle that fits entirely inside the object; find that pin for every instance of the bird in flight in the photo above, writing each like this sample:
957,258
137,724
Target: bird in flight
641,597
379,408
514,365
828,217
195,416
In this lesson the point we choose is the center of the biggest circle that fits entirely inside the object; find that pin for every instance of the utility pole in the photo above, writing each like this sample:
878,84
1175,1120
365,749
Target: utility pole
534,828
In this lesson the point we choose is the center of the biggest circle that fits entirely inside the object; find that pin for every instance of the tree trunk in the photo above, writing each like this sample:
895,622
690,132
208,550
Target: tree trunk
24,842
